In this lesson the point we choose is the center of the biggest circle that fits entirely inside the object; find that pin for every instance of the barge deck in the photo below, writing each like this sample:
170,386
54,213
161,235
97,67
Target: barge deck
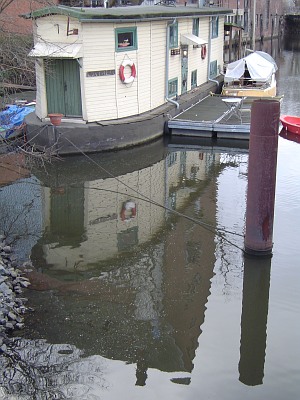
214,116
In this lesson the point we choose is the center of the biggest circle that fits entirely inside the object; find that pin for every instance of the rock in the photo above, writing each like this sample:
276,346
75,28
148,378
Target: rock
5,289
3,348
11,285
12,316
6,249
10,325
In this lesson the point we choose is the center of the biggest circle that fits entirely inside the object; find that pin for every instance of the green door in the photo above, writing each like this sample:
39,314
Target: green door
63,87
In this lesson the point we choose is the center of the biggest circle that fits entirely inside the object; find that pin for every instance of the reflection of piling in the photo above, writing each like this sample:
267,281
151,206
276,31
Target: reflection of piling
254,320
262,176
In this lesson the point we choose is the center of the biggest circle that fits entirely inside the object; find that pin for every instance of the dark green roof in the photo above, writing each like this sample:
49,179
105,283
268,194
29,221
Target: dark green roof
128,13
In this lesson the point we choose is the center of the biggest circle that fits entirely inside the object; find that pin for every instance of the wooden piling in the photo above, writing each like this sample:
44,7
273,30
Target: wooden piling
263,145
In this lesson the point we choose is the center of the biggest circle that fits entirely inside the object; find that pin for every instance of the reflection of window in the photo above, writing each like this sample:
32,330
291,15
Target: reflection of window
196,26
172,157
173,87
172,199
213,69
126,39
173,35
127,239
214,27
194,79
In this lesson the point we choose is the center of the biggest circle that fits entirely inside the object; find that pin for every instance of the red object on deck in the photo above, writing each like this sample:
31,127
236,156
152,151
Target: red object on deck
263,144
291,123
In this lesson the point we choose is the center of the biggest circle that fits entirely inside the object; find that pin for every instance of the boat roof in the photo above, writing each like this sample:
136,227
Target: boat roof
261,67
97,14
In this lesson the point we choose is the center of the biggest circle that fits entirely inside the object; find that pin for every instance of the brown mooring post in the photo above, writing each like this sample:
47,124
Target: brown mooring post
262,164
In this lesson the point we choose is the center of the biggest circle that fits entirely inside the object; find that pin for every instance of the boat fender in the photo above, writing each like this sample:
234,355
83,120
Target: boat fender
203,52
128,206
131,78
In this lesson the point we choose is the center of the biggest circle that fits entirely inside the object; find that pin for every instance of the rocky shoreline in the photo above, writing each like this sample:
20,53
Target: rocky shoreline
12,284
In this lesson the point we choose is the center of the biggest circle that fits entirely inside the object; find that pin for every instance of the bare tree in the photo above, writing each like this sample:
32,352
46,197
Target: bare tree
4,4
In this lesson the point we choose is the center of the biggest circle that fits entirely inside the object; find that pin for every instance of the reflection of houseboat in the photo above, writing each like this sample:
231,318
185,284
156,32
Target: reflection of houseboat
251,76
117,74
149,283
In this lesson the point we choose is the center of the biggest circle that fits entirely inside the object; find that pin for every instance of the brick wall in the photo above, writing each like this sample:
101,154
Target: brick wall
10,20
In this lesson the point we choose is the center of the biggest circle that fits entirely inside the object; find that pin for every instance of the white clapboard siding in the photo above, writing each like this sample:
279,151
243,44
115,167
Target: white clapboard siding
126,94
40,107
99,55
195,60
53,29
101,101
158,59
144,66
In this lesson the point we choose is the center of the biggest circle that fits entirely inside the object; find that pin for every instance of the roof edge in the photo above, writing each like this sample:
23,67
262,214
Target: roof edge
126,13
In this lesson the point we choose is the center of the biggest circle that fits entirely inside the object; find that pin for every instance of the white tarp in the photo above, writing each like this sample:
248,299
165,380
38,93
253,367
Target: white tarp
260,65
189,38
56,50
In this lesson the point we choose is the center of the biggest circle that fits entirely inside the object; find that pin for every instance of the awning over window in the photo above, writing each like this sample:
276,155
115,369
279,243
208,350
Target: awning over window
56,50
189,38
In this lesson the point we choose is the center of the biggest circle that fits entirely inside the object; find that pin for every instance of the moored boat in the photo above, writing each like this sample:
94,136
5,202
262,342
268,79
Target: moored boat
251,76
291,123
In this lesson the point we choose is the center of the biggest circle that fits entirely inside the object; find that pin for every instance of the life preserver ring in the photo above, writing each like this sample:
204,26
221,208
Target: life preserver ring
203,51
128,211
131,78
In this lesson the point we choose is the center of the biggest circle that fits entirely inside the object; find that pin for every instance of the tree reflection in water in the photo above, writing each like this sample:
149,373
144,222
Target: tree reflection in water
34,369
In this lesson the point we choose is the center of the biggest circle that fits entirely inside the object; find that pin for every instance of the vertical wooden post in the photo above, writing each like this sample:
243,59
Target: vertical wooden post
262,176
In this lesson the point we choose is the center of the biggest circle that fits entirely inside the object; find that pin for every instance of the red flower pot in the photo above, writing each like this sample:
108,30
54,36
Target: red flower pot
55,119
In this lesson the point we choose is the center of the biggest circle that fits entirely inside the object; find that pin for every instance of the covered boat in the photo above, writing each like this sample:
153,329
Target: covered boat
251,76
291,123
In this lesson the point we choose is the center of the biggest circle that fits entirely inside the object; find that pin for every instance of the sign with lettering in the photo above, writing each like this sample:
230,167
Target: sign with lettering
107,72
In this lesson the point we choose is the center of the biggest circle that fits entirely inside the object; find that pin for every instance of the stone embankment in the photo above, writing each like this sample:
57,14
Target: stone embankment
12,283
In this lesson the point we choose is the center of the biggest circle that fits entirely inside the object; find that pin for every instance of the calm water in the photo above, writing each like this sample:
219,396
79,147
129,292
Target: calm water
144,303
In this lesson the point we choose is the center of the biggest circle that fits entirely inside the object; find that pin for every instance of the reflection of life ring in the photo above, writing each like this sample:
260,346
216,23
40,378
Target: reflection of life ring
128,211
203,52
131,78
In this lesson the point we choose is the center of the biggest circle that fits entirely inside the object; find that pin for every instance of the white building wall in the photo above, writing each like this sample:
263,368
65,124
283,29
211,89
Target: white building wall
54,28
99,55
217,45
158,60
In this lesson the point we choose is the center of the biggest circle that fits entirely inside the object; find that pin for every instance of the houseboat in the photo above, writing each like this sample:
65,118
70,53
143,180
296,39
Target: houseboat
116,75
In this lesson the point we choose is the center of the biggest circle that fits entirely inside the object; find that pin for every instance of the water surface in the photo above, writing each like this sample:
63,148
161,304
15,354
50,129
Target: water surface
145,302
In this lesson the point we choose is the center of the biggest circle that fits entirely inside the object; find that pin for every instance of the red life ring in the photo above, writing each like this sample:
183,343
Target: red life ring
128,211
131,78
203,52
